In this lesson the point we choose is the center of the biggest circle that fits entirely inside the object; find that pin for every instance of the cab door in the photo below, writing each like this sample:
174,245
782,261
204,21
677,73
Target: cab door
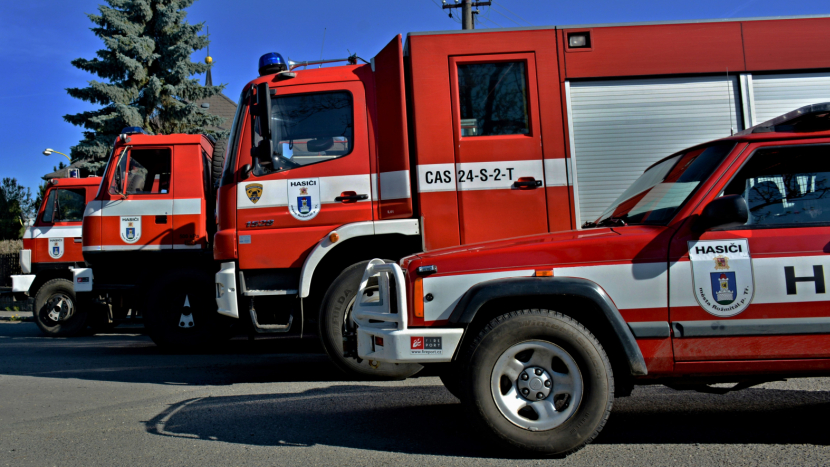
498,146
317,181
56,234
758,291
138,210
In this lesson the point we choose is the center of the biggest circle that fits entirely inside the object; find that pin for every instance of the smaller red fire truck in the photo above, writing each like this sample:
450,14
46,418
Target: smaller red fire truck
51,248
710,268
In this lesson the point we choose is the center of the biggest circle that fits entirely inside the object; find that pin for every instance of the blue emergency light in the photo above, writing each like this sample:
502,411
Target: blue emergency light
272,63
133,130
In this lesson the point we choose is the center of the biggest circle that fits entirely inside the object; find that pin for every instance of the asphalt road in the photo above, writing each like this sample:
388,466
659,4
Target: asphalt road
116,399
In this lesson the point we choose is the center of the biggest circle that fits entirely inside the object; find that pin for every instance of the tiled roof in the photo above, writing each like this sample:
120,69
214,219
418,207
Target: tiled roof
221,106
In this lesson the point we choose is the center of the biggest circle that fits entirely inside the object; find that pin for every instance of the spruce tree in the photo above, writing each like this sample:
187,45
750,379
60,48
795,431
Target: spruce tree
146,72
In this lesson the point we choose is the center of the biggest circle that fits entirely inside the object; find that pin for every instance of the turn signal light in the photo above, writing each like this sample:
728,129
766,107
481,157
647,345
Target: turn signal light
378,341
334,237
543,273
418,298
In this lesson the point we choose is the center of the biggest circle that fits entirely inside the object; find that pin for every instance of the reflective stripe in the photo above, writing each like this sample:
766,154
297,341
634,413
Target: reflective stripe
144,207
395,185
134,247
639,285
448,290
275,192
54,232
556,172
496,175
436,177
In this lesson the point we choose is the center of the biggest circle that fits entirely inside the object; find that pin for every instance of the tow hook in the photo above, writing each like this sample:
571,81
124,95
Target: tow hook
350,346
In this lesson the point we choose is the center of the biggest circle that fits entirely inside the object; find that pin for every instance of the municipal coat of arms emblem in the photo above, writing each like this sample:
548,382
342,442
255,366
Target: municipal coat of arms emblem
130,229
56,247
254,191
304,198
722,275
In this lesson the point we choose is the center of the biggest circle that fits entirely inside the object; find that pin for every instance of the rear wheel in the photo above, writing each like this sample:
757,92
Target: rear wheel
538,382
181,312
338,330
56,309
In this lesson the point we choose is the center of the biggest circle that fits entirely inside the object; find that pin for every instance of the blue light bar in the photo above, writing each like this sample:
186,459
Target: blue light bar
272,63
133,130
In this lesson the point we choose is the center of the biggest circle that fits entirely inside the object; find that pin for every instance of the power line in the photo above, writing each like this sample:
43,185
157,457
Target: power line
467,12
451,16
514,14
487,17
511,19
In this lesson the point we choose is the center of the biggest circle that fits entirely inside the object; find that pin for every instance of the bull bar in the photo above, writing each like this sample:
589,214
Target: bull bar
384,335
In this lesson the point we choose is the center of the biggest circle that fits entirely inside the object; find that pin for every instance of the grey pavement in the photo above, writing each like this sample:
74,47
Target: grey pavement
116,399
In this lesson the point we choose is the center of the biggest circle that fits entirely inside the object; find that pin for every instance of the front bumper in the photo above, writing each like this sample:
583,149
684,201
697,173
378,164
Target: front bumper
384,336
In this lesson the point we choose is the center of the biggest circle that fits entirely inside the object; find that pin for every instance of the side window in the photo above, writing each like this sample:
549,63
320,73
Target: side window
785,186
49,210
493,99
148,172
117,184
308,129
64,205
69,206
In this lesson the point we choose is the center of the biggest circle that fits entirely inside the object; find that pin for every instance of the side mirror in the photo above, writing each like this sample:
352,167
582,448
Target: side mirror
262,110
246,172
726,211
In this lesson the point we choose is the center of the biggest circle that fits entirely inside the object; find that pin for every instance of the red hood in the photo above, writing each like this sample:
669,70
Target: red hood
638,243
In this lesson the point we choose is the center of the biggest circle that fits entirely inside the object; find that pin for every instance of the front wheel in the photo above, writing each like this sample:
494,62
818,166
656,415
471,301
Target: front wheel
538,382
181,312
338,330
56,309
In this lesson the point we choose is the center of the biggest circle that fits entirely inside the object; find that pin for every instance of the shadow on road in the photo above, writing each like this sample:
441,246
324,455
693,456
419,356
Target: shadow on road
427,420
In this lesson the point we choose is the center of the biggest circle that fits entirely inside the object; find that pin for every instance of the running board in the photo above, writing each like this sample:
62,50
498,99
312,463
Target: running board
269,328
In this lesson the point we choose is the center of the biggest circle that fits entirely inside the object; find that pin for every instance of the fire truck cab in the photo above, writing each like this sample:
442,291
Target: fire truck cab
51,248
710,268
147,235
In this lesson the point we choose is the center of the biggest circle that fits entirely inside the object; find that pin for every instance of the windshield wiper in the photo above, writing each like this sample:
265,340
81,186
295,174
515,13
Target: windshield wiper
612,222
589,225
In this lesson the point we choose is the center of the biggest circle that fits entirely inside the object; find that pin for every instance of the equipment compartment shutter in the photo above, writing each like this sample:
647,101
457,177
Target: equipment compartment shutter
621,127
781,93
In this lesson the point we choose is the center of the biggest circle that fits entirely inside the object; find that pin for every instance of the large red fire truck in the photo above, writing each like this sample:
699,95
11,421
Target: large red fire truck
710,268
499,134
51,248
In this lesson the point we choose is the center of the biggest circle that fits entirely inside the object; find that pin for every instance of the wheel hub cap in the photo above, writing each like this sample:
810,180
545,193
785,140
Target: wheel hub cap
536,385
60,308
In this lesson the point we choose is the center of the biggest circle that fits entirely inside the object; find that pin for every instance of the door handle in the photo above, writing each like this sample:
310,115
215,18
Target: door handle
526,183
350,198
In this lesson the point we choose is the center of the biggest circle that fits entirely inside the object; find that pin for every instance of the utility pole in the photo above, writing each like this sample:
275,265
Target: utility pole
466,11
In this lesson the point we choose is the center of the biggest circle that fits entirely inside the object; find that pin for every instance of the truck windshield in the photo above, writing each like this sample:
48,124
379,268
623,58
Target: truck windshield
656,196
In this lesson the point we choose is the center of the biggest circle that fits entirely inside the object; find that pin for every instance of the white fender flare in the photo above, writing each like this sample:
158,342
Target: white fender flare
345,232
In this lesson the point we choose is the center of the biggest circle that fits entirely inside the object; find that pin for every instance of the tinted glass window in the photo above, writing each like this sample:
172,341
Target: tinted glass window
664,187
148,172
69,206
117,184
64,205
307,129
785,186
493,99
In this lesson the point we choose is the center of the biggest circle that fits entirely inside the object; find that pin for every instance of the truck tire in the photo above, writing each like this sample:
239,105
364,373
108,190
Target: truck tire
537,382
218,161
180,312
335,320
56,309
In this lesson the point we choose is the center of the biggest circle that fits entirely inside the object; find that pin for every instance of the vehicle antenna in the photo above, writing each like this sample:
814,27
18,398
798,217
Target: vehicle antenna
321,47
729,97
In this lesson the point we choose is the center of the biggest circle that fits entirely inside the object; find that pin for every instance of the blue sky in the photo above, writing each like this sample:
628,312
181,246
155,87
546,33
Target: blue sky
39,38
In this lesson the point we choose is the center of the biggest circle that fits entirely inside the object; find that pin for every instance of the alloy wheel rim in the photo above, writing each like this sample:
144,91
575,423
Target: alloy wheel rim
536,385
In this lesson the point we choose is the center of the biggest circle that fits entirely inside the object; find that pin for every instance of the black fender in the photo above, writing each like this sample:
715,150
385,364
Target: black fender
478,295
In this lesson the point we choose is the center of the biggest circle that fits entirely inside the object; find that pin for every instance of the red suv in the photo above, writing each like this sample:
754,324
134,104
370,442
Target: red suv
708,269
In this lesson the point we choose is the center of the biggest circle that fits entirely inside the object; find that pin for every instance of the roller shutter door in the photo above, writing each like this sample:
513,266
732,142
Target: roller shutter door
619,128
781,93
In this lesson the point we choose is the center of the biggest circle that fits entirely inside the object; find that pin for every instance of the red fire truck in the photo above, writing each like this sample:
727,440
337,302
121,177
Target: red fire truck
51,247
710,268
499,134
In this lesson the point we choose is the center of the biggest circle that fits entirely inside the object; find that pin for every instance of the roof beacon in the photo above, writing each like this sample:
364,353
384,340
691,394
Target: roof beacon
133,130
272,63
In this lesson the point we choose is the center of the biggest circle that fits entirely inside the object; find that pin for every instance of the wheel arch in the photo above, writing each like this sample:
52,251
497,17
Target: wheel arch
47,275
357,242
580,299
